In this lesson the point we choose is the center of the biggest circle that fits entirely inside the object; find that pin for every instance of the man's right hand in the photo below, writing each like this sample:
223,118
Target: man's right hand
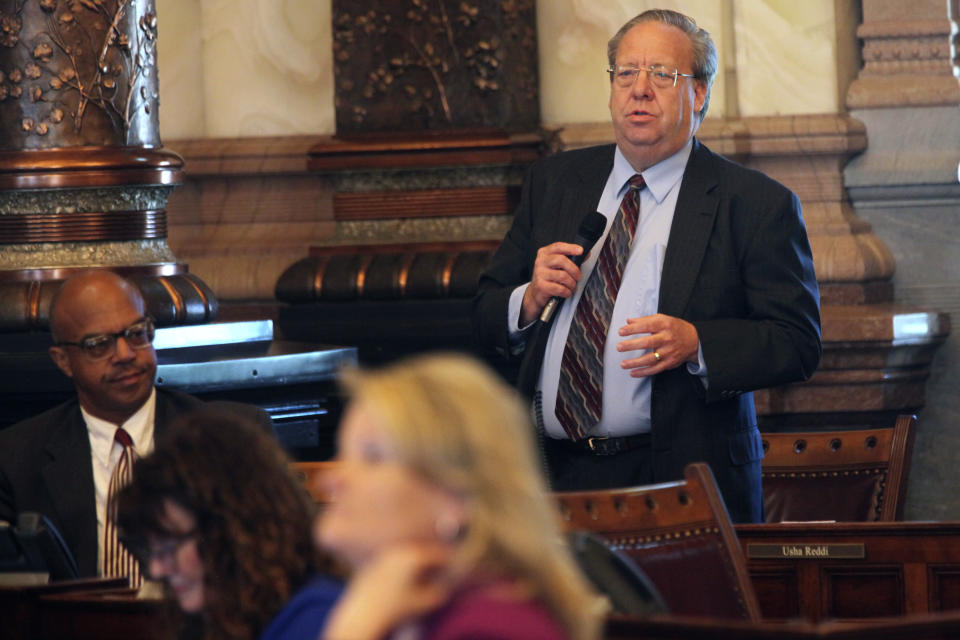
554,275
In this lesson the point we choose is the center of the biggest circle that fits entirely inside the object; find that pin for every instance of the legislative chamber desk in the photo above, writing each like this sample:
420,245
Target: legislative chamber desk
104,609
849,571
98,616
897,580
930,626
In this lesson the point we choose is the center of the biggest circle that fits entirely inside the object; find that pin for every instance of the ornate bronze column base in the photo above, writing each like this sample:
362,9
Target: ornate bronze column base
172,295
69,209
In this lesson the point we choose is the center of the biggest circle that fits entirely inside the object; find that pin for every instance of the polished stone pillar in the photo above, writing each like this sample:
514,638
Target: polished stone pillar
905,185
84,179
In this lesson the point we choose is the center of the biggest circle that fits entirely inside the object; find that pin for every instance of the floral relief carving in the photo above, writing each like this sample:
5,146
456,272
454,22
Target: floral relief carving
79,71
422,64
9,29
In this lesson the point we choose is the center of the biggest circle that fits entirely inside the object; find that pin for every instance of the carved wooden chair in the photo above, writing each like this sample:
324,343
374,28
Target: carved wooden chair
679,534
843,476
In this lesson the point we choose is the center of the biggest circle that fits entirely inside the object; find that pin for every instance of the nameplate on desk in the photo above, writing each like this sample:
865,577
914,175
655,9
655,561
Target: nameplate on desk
813,551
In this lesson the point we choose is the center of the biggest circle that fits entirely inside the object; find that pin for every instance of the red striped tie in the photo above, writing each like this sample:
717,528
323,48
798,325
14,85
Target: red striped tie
580,392
117,561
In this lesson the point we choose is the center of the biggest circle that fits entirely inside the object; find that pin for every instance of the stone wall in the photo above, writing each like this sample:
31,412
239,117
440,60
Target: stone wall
905,185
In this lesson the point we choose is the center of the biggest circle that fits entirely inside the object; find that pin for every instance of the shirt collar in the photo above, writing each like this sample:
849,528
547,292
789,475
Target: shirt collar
661,178
138,426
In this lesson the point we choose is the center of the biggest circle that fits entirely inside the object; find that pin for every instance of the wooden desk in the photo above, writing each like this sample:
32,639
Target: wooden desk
902,568
940,626
22,613
89,615
100,616
892,568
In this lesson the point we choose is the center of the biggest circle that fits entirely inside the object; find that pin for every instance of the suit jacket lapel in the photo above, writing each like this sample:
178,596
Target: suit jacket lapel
68,476
693,223
582,198
161,414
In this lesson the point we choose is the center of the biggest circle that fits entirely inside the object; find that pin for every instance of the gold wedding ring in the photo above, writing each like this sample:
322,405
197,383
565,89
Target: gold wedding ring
656,354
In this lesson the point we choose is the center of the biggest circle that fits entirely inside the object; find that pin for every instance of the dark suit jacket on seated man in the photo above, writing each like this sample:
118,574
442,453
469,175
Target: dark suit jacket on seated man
59,463
717,297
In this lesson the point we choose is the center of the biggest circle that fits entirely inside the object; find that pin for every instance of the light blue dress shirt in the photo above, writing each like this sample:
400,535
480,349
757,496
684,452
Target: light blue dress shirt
626,400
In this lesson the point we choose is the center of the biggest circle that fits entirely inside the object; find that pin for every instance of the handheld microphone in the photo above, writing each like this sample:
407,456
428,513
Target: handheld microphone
590,231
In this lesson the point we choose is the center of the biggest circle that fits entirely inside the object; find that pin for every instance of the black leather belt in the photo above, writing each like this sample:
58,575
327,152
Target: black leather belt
603,446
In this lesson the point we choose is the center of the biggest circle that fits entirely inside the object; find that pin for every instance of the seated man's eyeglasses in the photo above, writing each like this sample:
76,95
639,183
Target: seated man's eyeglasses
661,77
98,346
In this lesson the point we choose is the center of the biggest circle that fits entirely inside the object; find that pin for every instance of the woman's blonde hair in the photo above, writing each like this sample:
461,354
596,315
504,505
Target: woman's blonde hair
459,426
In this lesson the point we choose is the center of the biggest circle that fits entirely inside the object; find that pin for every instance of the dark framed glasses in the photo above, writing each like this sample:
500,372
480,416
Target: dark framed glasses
98,346
163,550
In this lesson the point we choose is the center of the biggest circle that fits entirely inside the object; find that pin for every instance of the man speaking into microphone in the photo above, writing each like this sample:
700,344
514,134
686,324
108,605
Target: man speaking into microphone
700,289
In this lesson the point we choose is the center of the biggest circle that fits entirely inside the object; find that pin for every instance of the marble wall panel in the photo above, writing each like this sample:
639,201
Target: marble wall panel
233,68
238,68
573,37
786,57
180,70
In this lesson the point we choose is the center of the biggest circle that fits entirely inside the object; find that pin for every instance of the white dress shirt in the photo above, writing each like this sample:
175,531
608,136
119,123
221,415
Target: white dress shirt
626,400
105,453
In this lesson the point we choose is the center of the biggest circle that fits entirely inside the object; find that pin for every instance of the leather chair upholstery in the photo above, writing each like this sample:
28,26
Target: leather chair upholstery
842,476
680,536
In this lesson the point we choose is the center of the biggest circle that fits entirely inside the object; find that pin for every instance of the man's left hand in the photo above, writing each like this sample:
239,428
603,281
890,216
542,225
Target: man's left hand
668,342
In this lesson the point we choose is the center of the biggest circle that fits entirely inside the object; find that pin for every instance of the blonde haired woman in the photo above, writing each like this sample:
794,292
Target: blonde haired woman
439,508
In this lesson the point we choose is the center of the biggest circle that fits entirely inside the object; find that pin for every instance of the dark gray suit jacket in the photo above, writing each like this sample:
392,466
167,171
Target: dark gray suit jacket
45,466
738,266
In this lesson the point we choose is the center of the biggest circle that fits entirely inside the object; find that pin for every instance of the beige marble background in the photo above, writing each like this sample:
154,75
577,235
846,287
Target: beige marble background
244,68
240,68
573,35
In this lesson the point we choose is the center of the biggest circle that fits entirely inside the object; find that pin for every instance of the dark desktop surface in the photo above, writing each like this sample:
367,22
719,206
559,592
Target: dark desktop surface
241,361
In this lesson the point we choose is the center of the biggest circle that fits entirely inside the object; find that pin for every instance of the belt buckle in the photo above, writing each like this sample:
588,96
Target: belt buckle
595,444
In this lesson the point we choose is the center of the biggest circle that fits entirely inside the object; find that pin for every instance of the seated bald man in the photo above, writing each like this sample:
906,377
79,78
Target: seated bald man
60,463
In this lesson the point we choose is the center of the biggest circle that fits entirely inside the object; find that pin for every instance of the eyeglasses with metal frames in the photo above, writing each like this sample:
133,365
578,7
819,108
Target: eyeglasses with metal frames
163,552
98,346
661,77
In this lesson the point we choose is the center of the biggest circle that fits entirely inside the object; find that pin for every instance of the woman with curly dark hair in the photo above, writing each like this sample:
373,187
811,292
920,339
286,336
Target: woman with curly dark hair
216,515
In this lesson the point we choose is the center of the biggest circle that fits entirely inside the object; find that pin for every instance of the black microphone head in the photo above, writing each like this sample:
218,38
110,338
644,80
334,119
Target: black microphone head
592,228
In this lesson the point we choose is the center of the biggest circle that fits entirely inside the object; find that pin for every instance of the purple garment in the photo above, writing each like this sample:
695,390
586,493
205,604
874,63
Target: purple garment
481,614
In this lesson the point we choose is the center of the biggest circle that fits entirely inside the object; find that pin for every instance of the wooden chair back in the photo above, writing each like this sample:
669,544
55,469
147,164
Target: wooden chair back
680,535
844,476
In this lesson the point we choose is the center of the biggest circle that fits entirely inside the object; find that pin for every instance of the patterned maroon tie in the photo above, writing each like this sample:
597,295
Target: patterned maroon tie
580,393
117,561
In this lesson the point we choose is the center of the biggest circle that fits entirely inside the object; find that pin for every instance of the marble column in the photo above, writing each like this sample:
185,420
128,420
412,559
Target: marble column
84,178
905,186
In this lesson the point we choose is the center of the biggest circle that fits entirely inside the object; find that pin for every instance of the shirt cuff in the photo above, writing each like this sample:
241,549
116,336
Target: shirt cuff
517,333
699,369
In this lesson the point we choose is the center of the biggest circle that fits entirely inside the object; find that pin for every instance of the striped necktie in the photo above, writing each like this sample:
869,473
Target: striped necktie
117,561
580,392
